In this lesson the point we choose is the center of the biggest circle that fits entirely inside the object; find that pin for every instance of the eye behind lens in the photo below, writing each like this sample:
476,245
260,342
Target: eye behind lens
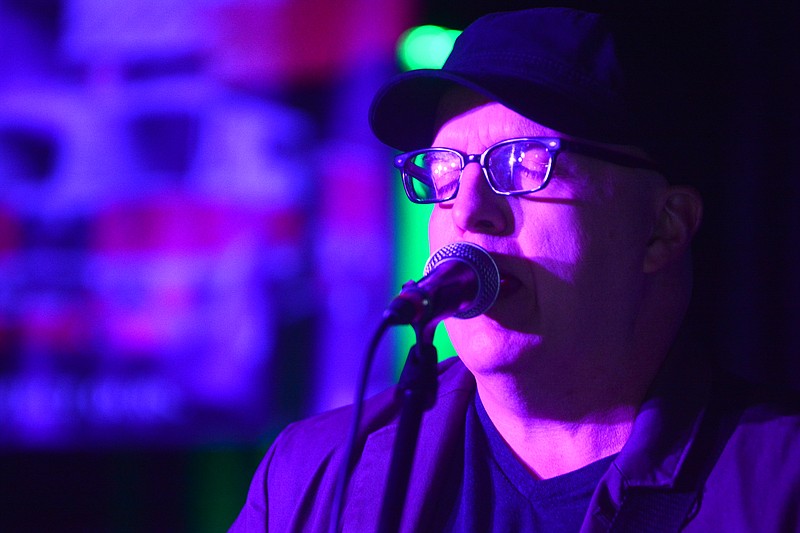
519,166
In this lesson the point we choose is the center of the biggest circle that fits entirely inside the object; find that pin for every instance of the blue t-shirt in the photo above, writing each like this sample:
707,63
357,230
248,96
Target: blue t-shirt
497,493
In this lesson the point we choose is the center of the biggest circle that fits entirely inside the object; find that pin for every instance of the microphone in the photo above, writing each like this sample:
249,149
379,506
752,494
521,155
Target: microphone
461,279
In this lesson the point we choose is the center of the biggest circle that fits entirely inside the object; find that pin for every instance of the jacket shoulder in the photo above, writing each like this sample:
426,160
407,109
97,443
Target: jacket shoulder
294,484
755,482
312,439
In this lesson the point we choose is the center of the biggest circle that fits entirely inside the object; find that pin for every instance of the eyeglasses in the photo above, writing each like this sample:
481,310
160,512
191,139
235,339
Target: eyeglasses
512,167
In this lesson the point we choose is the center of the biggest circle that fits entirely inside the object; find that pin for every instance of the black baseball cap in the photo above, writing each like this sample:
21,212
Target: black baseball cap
557,66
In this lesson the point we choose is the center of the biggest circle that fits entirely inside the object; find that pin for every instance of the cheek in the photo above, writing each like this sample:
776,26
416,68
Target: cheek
554,240
440,228
612,255
579,245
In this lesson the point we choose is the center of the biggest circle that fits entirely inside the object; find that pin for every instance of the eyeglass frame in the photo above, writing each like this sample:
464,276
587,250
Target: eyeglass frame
553,146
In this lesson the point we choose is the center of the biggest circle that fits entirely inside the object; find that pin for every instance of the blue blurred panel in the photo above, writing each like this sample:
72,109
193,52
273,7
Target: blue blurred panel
150,228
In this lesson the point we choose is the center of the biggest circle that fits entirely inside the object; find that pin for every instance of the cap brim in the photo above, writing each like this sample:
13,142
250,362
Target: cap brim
403,112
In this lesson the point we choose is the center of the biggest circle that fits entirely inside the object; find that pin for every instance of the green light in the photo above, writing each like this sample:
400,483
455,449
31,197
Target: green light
412,254
425,47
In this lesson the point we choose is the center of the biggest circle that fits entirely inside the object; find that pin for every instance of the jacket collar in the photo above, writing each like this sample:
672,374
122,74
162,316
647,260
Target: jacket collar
441,433
667,424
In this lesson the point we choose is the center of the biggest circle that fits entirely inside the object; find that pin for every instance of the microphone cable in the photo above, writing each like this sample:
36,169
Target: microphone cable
358,404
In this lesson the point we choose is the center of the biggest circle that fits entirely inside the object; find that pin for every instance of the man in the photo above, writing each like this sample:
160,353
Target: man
572,404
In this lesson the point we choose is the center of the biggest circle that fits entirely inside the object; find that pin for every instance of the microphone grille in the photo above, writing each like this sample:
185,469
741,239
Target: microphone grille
484,266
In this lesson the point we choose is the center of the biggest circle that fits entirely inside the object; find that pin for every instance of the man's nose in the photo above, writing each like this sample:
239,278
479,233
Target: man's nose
477,208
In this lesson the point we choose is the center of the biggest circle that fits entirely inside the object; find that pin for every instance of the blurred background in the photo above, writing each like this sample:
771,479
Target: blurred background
198,232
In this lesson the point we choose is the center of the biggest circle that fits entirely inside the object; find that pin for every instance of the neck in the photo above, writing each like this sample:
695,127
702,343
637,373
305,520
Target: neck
559,423
560,413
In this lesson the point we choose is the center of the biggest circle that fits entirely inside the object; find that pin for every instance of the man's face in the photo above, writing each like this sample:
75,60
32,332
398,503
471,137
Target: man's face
570,256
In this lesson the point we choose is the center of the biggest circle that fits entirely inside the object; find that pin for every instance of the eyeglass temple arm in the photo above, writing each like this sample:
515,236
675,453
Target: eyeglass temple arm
612,156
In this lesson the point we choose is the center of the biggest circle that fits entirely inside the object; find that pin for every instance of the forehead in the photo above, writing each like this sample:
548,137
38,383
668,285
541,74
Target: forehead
466,117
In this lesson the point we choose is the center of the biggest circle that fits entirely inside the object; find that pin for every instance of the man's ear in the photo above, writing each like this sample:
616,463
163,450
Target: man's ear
680,210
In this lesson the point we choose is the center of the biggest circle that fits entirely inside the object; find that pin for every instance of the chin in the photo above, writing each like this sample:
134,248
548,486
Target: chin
485,347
